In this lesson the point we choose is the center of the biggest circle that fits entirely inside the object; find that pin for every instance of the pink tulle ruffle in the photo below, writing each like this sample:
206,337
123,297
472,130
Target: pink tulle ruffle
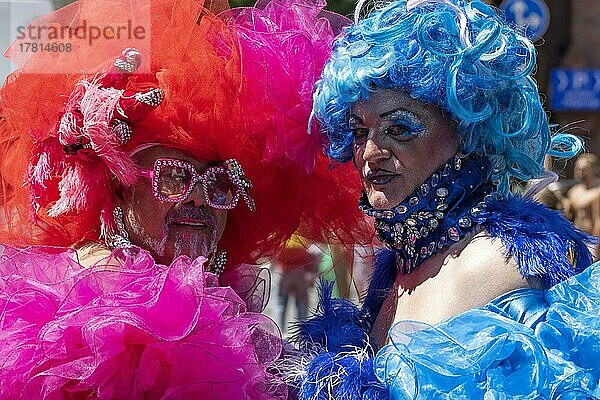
127,328
251,282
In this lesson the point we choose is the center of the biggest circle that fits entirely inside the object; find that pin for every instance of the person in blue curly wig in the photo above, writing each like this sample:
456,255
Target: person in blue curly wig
480,292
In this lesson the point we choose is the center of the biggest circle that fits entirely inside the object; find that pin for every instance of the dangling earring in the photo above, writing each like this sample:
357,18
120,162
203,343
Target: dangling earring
217,263
120,238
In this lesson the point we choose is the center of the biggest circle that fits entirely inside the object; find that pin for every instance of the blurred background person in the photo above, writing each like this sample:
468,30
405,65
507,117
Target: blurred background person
296,267
584,197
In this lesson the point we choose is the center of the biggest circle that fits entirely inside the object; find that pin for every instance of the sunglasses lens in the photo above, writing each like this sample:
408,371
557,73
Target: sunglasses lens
173,181
220,190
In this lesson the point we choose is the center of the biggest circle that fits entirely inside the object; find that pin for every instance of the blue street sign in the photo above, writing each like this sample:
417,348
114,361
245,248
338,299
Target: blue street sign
575,89
532,15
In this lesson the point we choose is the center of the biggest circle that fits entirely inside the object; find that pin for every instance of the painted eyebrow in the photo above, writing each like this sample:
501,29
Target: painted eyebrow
399,110
355,119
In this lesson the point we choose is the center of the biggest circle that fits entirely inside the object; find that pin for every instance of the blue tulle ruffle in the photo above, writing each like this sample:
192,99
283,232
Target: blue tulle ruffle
528,344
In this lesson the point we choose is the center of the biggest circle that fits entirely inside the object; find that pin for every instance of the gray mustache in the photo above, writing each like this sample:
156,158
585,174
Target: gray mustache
200,214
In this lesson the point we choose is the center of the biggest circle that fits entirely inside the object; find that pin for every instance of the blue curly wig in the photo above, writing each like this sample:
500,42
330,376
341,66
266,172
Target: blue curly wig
458,55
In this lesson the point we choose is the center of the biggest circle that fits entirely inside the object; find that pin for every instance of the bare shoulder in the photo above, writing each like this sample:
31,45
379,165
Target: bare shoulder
580,196
483,253
469,274
91,253
483,271
575,190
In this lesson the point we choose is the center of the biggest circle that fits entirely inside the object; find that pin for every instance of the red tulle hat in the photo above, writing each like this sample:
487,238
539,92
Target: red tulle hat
198,83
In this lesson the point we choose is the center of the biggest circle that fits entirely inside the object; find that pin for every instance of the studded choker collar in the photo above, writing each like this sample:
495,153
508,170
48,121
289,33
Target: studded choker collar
437,214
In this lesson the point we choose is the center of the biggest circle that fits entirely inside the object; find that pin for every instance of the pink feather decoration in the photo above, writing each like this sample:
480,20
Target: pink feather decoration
74,191
98,106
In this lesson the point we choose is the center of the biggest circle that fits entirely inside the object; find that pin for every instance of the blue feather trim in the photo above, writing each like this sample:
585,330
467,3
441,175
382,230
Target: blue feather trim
348,376
337,326
543,242
382,280
343,368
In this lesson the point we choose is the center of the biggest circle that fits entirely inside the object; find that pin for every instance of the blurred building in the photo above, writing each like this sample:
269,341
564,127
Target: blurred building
582,41
571,41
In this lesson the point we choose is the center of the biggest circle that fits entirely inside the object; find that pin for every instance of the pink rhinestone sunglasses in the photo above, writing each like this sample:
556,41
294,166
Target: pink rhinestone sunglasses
222,186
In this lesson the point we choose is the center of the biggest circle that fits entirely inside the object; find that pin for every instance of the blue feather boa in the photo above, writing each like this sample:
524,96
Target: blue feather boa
338,324
343,366
542,241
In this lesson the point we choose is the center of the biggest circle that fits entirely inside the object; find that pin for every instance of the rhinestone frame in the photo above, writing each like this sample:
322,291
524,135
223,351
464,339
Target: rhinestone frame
230,167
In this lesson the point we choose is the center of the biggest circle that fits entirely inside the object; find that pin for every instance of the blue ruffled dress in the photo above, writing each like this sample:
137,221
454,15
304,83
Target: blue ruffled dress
526,344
